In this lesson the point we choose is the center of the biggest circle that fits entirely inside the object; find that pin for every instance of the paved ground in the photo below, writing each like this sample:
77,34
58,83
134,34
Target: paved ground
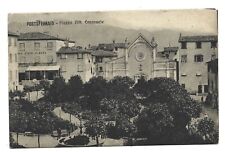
66,116
106,142
212,113
46,141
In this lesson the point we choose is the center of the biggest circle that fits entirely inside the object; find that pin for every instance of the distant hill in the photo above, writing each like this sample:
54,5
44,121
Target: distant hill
94,34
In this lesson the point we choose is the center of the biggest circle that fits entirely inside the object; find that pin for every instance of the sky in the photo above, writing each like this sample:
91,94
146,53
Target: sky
204,20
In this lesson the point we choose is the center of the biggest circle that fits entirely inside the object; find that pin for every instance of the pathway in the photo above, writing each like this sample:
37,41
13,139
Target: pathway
107,141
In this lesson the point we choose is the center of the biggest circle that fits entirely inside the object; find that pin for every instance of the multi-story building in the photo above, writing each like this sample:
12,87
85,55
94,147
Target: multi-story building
135,60
75,61
13,61
213,82
38,49
194,53
139,59
213,76
101,58
170,53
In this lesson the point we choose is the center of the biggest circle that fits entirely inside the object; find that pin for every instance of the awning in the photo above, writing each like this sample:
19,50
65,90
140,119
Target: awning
43,68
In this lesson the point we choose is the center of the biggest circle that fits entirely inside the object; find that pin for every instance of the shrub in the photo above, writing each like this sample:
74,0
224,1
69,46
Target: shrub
78,140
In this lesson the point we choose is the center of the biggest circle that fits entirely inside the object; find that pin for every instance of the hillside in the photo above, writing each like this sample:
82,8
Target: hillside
94,34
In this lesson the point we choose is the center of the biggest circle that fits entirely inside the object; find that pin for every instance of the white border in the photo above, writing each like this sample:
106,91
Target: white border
20,6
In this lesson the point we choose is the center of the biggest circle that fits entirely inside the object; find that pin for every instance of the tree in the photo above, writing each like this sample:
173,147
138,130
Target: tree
45,85
28,89
177,102
206,128
17,93
116,107
25,116
120,87
140,88
95,127
75,87
11,95
37,87
58,91
155,123
17,119
95,90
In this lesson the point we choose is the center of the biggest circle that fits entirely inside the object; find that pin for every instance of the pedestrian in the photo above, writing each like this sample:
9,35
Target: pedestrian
202,99
59,132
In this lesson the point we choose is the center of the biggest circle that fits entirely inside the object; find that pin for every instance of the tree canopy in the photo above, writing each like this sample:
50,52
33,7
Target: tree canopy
58,91
167,110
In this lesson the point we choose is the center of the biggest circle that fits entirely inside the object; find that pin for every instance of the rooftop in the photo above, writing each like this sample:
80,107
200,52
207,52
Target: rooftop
38,36
72,50
75,50
170,49
102,53
111,46
205,38
12,34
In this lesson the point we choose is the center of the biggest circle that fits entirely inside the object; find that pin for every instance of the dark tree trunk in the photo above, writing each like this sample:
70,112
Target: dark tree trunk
37,95
29,96
39,141
97,142
17,138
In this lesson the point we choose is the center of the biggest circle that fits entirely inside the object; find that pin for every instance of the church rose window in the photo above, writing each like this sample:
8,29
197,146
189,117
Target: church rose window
140,56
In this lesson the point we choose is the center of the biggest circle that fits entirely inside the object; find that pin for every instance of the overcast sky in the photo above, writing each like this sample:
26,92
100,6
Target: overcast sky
186,20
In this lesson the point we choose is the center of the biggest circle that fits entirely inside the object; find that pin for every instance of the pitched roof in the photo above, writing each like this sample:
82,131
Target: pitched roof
38,36
170,49
111,46
72,50
102,53
205,38
152,43
12,34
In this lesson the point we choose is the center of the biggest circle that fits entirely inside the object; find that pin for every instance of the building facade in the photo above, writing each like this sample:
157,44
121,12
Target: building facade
135,60
76,61
140,59
38,49
13,79
212,97
194,53
213,76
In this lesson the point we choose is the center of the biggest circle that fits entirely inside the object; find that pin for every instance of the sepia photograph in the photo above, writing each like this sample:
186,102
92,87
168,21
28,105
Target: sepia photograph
113,78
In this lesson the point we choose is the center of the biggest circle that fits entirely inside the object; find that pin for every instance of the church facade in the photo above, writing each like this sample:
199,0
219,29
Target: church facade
140,59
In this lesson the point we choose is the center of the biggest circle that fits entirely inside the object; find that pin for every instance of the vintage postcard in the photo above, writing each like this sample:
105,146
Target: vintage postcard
119,78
